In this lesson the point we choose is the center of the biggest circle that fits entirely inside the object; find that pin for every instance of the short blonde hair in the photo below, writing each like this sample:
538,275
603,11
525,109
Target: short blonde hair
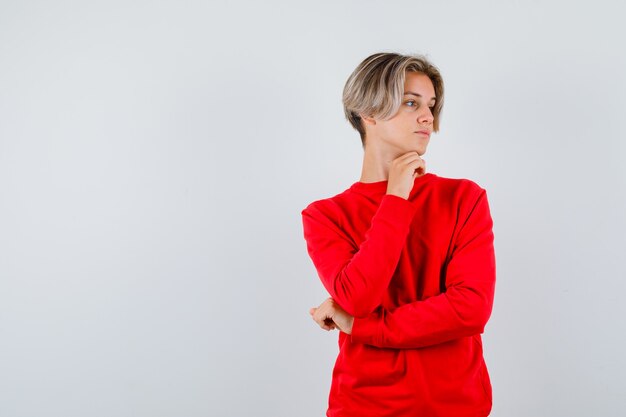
376,87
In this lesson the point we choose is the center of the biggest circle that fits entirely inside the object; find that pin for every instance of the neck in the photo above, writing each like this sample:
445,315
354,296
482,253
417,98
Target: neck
376,162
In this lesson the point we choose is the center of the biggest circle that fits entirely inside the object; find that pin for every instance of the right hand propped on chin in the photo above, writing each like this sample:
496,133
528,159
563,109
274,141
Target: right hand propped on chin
402,173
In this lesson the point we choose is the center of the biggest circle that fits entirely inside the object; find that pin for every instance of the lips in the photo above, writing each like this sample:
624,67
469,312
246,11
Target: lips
424,132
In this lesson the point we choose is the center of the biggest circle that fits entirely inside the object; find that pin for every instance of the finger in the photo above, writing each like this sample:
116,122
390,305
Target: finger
319,317
399,160
326,326
323,314
319,323
416,164
412,164
317,310
412,160
324,310
409,157
329,324
411,154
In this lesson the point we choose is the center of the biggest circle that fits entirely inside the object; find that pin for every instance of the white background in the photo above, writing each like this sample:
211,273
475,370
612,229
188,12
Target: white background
155,157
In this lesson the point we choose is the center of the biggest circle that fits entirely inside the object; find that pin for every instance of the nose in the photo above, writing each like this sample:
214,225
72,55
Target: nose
425,116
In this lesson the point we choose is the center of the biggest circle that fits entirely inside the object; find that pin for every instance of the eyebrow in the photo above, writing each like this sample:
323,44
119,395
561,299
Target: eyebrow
418,95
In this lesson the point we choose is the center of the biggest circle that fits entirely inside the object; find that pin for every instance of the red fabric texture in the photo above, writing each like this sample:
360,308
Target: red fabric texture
419,277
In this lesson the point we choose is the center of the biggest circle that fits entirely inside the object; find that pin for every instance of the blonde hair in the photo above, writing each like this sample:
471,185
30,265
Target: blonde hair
376,87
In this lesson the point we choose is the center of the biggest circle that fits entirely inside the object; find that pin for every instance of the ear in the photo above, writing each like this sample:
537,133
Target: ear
368,120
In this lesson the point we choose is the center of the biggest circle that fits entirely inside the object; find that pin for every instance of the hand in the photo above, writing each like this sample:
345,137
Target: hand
402,173
329,315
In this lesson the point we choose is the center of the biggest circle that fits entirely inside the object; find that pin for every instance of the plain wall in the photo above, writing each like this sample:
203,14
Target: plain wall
155,157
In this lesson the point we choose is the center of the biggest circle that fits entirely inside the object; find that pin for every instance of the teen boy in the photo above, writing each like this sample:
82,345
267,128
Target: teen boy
406,256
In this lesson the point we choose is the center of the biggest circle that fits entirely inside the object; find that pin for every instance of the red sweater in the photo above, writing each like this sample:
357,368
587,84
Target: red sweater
418,275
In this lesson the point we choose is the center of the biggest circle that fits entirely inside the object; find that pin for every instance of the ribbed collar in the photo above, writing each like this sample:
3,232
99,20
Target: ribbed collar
379,188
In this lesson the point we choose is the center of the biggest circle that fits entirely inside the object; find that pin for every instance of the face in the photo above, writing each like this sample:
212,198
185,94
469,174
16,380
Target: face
410,128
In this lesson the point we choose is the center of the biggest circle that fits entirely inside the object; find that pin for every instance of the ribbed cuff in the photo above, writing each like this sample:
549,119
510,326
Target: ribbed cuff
367,330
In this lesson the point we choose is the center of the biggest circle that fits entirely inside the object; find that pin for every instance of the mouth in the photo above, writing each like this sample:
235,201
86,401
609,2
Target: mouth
423,132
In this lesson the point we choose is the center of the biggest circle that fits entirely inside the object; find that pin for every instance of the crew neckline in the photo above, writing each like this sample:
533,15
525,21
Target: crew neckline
377,187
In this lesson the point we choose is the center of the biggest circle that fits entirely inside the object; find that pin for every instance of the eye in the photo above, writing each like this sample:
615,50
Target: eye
414,104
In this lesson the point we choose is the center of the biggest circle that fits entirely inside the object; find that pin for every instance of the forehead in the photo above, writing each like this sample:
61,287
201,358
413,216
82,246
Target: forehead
419,83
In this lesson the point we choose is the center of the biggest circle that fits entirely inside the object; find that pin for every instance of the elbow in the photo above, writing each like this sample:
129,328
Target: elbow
471,324
477,323
356,296
478,318
472,312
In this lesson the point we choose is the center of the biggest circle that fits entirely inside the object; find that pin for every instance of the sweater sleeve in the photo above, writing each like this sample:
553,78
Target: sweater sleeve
462,310
357,277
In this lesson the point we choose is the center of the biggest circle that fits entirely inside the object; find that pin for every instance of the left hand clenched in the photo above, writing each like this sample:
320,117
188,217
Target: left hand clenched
329,315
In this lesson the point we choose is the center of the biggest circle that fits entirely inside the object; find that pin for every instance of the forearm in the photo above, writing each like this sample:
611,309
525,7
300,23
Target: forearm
357,280
457,313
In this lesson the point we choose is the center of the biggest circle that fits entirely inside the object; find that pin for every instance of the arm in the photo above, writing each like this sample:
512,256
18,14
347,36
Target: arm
462,310
357,277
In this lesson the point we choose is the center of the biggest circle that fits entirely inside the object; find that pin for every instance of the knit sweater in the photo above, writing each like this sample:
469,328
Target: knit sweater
418,275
